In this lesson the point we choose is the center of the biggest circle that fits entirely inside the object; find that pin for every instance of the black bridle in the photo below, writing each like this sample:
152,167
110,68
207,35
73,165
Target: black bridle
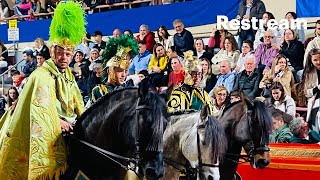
131,163
249,157
188,170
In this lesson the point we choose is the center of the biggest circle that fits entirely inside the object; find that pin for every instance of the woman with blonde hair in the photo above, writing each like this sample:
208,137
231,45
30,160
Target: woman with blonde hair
208,79
41,47
219,100
279,72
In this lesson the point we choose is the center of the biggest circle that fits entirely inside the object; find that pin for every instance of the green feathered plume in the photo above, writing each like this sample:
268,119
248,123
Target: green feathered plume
115,44
68,24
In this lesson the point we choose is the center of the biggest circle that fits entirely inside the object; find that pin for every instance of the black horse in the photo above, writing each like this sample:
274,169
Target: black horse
247,124
128,122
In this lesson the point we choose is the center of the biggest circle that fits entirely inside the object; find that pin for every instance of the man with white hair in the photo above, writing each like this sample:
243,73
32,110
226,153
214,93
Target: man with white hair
248,79
302,133
226,77
266,52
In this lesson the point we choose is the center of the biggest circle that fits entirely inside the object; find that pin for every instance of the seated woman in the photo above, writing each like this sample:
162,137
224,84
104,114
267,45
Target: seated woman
219,100
281,101
208,79
279,72
157,65
189,95
12,97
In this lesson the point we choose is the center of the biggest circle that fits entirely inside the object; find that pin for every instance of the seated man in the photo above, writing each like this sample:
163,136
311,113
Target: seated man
248,80
176,76
31,63
302,133
116,67
226,77
190,95
280,131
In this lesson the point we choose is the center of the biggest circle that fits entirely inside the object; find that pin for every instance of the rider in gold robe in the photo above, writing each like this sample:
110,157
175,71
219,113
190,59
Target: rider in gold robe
31,142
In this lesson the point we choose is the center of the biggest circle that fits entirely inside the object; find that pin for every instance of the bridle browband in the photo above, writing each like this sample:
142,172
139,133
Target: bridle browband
131,163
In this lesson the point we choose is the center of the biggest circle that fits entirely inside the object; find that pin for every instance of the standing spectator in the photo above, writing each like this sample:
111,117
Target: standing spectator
44,6
3,57
248,80
31,63
116,33
230,50
176,76
265,52
157,65
164,37
260,32
208,79
311,84
41,47
40,59
247,51
294,51
280,131
247,10
4,10
302,133
147,36
100,44
315,43
183,39
279,72
226,77
290,16
86,45
12,97
316,33
280,100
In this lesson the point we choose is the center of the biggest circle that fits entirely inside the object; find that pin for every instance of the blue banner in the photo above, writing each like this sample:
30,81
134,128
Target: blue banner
308,8
192,13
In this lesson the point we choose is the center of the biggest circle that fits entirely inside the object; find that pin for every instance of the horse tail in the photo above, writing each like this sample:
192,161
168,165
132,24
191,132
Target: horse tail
264,118
216,133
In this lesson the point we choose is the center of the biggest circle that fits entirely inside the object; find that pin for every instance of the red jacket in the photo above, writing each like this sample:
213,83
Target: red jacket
150,42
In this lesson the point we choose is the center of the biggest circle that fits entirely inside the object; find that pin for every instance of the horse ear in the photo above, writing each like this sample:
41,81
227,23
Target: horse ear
143,88
205,111
167,93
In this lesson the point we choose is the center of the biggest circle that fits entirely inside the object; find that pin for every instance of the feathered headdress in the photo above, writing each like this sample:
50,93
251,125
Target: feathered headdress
68,24
190,64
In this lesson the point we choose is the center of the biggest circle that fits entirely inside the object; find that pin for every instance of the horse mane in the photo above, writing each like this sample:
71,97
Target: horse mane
182,111
215,132
264,119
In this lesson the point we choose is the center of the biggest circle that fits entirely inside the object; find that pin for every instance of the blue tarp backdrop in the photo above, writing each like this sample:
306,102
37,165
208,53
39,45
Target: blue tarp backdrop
308,8
192,13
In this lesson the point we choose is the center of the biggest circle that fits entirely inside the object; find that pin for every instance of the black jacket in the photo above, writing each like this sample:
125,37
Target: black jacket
183,42
248,84
295,52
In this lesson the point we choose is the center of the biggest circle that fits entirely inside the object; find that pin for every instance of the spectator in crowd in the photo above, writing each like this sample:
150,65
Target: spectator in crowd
168,1
247,51
41,47
290,16
230,49
301,132
4,10
94,58
260,32
176,76
248,80
236,95
140,62
219,100
182,39
143,74
157,66
208,79
86,45
279,72
31,63
164,37
316,33
40,59
315,43
294,51
226,77
281,101
247,10
200,50
100,44
128,33
265,52
12,97
280,131
217,38
147,36
116,33
44,6
18,80
27,7
3,57
311,83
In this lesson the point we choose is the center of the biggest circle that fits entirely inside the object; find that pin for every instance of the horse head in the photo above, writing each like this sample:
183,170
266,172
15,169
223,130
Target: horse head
152,116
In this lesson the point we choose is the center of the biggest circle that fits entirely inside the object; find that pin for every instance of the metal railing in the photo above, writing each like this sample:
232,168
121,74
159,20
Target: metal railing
15,47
